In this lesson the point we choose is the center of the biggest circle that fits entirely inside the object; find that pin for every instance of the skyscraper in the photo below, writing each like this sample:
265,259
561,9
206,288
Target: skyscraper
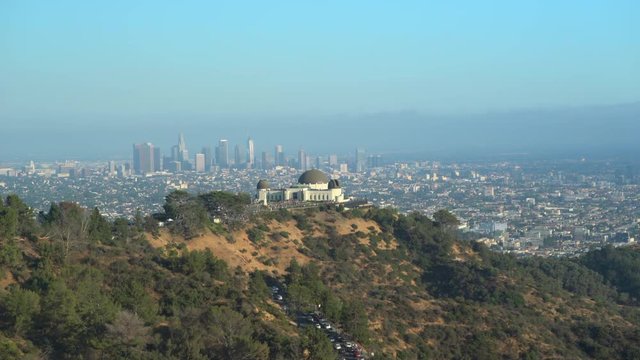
223,153
237,156
265,161
208,158
157,159
183,153
143,158
302,160
279,155
360,160
333,160
175,153
251,154
374,161
199,161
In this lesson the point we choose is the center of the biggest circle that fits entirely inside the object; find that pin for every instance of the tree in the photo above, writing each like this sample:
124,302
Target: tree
230,208
98,228
317,345
8,222
121,231
59,323
126,336
132,295
219,333
258,288
26,223
151,225
21,306
445,219
187,212
354,320
10,253
8,349
294,272
67,223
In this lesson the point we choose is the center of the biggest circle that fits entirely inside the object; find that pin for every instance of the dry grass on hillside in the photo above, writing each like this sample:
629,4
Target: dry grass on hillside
276,250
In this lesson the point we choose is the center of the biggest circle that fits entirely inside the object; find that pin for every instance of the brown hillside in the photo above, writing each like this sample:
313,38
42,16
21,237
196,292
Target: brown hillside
275,252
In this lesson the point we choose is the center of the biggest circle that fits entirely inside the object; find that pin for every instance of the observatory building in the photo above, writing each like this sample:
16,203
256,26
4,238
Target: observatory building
313,186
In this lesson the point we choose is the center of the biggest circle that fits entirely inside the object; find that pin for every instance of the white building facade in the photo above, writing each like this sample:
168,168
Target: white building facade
313,186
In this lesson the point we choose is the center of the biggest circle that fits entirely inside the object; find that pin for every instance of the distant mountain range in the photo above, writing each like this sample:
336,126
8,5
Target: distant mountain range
591,130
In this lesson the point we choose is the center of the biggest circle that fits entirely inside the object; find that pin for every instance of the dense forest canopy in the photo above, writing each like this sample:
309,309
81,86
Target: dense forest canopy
75,285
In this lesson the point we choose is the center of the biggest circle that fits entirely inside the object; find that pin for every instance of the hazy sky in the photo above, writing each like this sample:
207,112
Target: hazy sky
111,63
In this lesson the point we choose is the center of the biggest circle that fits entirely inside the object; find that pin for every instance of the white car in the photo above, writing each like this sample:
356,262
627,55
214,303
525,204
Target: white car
337,346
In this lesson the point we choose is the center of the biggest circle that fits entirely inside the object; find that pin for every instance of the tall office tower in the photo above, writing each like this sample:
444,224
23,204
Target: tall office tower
183,153
167,163
279,156
31,168
174,166
333,160
251,154
237,156
374,161
265,160
175,153
360,160
308,162
319,162
222,153
302,160
199,161
143,156
122,170
157,159
112,168
208,158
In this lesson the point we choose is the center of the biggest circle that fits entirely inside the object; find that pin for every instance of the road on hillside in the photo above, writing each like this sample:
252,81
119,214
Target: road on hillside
343,344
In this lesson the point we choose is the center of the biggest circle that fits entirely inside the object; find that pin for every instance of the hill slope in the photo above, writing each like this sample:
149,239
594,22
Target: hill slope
401,285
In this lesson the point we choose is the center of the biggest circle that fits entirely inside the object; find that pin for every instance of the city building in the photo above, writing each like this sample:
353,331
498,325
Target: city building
222,153
360,160
200,162
183,153
251,154
157,159
208,158
279,156
237,158
333,160
302,160
266,164
144,158
313,186
374,161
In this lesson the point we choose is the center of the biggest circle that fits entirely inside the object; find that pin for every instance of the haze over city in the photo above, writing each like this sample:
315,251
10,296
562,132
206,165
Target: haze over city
82,80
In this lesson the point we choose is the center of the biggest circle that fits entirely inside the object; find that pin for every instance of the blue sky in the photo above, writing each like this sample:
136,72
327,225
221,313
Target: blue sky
315,56
121,61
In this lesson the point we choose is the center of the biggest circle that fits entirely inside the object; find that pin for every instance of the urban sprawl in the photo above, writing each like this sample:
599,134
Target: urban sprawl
527,207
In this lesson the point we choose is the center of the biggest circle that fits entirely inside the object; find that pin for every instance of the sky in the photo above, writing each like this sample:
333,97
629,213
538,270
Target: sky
102,74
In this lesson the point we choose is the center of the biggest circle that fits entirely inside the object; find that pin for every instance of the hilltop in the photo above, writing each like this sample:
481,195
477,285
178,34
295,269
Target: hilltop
74,285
